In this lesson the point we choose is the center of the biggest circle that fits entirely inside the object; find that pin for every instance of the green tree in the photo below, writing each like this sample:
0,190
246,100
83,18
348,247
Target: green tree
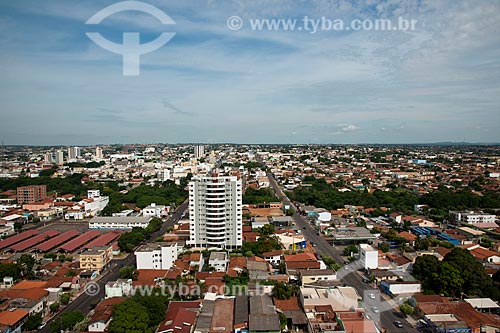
267,230
406,309
64,299
351,248
54,307
129,317
33,322
128,272
425,266
67,321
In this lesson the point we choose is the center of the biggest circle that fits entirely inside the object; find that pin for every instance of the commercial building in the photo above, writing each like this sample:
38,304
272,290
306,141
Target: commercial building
215,211
471,217
118,222
156,256
96,259
30,194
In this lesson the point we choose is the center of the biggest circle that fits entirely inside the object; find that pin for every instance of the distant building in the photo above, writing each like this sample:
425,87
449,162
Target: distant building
98,153
156,256
215,211
31,193
471,217
199,151
73,153
59,157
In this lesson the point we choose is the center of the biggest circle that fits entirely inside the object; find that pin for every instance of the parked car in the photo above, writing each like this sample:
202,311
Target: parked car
42,325
397,323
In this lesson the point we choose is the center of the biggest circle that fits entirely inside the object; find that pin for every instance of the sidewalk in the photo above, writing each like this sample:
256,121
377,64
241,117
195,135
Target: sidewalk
395,305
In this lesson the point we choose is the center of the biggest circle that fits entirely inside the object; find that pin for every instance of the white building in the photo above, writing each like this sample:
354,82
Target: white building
98,153
368,256
219,261
156,256
59,157
73,153
154,210
199,151
94,203
118,288
471,217
118,222
164,175
215,211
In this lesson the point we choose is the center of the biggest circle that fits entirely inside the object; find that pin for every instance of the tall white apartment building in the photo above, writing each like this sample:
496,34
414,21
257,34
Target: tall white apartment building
59,157
215,212
98,153
73,153
199,151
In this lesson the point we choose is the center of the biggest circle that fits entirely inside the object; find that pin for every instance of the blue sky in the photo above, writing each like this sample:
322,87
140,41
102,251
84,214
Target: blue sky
440,82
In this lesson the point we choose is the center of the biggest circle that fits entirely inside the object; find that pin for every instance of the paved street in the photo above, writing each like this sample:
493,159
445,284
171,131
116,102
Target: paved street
387,314
84,302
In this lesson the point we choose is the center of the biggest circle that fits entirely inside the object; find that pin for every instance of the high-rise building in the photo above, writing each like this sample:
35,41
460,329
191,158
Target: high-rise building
73,153
215,212
199,151
30,194
48,158
59,157
98,152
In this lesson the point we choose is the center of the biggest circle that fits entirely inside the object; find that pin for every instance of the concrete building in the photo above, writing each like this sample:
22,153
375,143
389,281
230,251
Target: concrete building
154,210
215,211
340,298
59,157
73,153
199,151
118,222
30,194
219,261
156,256
98,153
471,217
368,256
97,258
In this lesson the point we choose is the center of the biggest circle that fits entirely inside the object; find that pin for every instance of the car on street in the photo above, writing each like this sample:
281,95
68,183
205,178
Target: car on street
375,309
371,295
42,325
397,323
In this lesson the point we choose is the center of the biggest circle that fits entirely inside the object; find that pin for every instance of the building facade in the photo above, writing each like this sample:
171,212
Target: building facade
30,194
97,258
215,211
156,256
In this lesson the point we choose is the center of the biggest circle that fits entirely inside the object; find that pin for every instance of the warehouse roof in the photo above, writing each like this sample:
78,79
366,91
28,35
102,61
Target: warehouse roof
17,238
53,242
79,241
104,239
30,242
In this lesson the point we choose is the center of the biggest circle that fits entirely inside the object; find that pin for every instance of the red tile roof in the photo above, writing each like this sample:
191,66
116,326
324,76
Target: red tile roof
104,239
10,318
17,238
53,242
30,242
75,243
180,317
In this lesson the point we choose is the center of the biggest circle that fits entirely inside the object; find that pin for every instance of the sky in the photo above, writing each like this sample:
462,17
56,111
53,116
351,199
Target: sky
209,84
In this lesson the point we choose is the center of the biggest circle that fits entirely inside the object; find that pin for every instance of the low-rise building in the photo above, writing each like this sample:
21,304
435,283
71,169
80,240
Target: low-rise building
95,259
219,261
156,256
311,276
119,222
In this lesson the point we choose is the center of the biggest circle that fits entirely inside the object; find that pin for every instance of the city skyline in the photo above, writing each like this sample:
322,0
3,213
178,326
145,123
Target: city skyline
211,84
